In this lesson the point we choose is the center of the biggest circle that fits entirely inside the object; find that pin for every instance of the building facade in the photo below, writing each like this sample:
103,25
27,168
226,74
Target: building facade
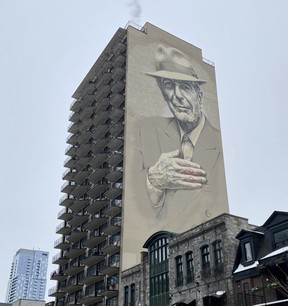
123,129
261,267
28,276
191,268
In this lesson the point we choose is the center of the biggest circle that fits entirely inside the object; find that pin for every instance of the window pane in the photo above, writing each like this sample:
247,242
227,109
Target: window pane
248,251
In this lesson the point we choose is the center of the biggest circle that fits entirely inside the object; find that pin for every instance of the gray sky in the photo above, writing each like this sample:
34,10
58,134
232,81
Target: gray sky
47,47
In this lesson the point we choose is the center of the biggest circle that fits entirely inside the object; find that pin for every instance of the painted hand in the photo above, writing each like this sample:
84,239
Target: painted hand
172,172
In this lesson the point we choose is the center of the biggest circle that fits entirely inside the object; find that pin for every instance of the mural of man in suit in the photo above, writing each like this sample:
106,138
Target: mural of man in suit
181,156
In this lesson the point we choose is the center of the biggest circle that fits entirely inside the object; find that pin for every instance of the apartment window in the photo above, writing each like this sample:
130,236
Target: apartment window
205,256
126,296
179,271
132,295
189,267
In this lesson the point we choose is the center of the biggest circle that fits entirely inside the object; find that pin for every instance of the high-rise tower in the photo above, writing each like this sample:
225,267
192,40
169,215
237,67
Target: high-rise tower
28,276
144,155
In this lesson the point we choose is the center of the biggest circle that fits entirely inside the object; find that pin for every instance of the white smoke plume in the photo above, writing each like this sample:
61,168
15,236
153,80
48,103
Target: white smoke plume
135,10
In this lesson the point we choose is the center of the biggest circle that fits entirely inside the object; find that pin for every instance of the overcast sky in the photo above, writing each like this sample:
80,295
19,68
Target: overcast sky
47,47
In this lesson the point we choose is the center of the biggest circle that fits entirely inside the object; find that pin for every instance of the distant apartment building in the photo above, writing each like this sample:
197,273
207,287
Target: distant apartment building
28,274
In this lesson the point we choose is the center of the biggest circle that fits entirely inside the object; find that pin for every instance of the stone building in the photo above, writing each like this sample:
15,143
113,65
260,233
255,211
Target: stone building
191,268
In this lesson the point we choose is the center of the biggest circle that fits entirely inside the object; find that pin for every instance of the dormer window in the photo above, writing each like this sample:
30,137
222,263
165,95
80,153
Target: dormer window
281,238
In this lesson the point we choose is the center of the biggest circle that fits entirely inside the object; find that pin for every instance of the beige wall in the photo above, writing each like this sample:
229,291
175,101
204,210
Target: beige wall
146,139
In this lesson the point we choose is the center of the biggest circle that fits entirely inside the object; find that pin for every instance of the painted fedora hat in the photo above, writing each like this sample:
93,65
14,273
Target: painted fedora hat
172,63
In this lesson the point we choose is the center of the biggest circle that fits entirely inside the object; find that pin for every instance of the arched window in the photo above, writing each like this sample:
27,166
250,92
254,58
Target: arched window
189,267
158,251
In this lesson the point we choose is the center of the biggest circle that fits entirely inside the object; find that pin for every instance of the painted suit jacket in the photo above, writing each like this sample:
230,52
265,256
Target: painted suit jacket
161,135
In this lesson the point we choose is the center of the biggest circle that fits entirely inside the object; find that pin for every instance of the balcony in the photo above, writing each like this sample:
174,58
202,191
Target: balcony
117,87
104,79
114,226
84,125
78,219
93,276
63,228
70,150
117,100
80,190
119,60
93,259
57,293
115,144
75,106
99,159
61,243
110,291
114,191
100,131
102,105
84,137
82,163
68,187
69,174
73,286
72,139
112,269
102,92
114,175
76,235
75,250
118,74
70,162
101,119
100,147
115,158
107,65
116,129
65,214
97,205
88,89
98,190
93,241
91,299
72,128
58,275
117,115
86,113
66,200
98,174
60,259
114,208
83,150
74,117
112,246
75,268
96,221
79,205
88,100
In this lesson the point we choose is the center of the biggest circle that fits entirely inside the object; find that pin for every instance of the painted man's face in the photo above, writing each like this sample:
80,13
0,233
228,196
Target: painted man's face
184,100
